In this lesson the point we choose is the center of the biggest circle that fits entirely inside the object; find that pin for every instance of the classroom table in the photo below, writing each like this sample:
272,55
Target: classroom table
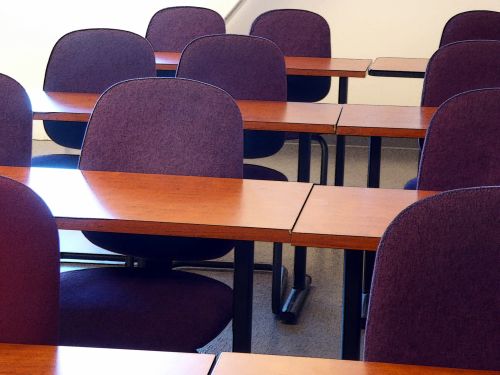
353,219
67,360
376,121
250,364
399,67
243,210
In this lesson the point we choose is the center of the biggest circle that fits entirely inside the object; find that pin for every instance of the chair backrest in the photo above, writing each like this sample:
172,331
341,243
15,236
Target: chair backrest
298,33
172,29
29,267
248,68
460,67
16,124
91,61
434,297
472,25
462,145
165,125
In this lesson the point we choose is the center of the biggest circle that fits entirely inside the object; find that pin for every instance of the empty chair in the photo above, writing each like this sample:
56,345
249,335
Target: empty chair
462,146
300,33
16,124
29,267
431,299
472,25
167,126
456,68
90,61
171,29
248,68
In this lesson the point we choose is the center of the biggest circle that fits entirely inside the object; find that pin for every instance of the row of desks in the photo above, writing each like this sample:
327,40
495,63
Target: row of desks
51,360
330,67
244,210
318,118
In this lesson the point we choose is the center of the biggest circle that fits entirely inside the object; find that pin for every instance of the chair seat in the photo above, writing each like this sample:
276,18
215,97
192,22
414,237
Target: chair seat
135,308
411,184
65,161
258,172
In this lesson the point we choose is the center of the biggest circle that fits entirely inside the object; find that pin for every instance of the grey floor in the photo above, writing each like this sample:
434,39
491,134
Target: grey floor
317,333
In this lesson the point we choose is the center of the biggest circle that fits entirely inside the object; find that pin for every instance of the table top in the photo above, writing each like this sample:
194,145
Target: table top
350,218
257,115
250,364
402,67
251,210
384,120
307,66
60,360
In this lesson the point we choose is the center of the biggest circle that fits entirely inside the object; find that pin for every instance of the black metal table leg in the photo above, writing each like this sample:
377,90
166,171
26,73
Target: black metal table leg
243,296
375,154
301,282
340,147
351,306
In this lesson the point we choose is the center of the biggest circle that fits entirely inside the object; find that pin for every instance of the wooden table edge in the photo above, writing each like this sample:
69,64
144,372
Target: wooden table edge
380,132
336,241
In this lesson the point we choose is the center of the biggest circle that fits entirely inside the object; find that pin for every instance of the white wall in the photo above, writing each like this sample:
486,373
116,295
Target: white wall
369,29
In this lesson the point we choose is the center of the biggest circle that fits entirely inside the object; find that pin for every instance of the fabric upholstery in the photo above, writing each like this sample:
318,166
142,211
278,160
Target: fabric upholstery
462,146
15,124
472,25
29,267
141,309
298,33
171,29
459,67
434,298
175,126
248,68
91,61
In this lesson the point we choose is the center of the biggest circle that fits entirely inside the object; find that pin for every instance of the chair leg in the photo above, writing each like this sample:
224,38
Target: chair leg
279,278
324,158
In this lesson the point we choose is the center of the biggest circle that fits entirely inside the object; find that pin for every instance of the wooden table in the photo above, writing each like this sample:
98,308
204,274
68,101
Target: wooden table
65,360
303,66
250,364
257,115
353,219
400,67
245,210
376,121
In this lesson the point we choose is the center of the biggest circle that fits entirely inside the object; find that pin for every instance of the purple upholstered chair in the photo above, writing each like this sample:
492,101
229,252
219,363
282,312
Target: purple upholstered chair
300,33
436,267
172,29
16,124
155,125
248,68
90,61
456,68
462,146
472,25
29,267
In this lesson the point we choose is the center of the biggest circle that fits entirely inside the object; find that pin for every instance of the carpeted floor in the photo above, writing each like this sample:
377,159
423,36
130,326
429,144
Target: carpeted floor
317,333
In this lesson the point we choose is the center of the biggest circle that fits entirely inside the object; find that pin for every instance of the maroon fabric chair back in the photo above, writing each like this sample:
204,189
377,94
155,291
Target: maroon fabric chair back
248,68
168,126
29,267
172,29
434,297
462,145
472,25
297,32
460,67
16,124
